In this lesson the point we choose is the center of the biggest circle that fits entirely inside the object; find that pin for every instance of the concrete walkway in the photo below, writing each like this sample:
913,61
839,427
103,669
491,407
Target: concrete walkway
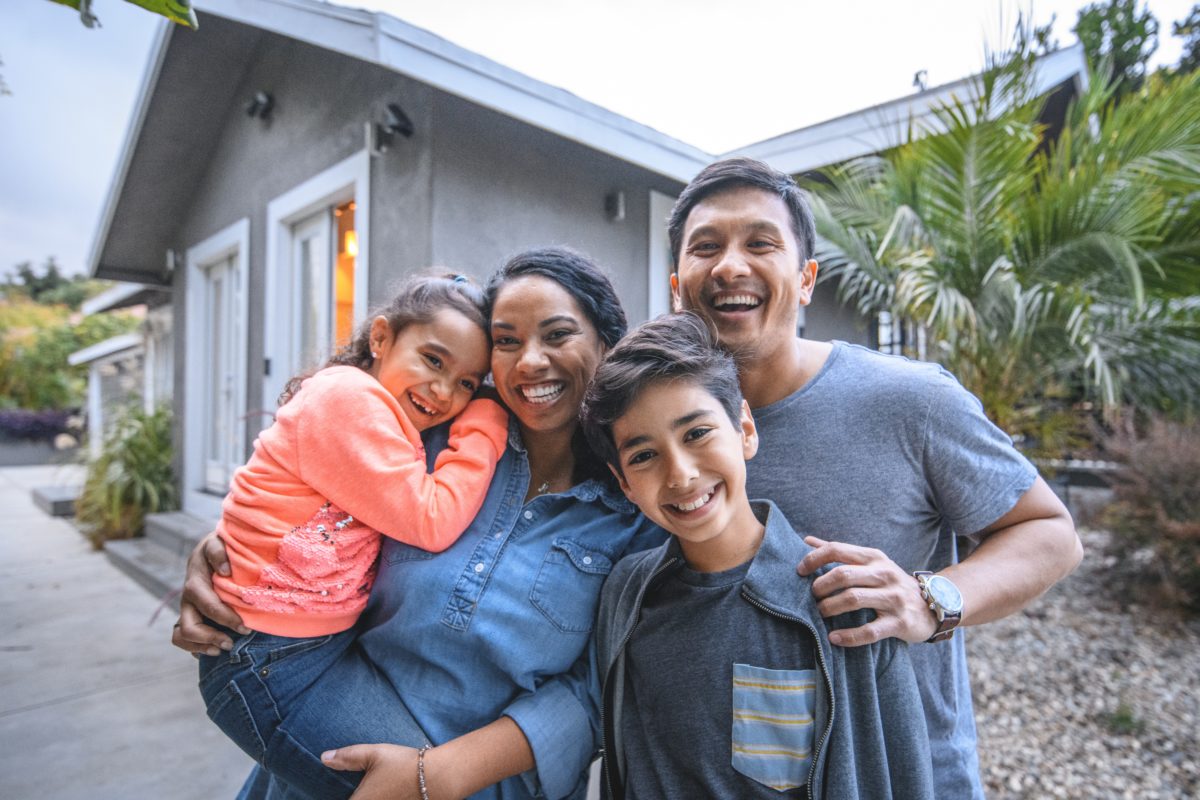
94,701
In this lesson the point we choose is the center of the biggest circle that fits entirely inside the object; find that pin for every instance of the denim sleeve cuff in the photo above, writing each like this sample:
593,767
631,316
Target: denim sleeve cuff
559,731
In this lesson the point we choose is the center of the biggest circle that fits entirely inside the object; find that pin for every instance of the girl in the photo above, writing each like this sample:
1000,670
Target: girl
342,463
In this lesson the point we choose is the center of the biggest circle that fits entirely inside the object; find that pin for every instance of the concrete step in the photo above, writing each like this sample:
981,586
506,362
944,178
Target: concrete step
177,531
57,501
158,568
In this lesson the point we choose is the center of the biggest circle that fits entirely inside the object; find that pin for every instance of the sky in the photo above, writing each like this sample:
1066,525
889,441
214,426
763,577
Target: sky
713,73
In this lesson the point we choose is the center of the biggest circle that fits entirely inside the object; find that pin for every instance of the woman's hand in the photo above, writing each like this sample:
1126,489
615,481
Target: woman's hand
391,772
198,601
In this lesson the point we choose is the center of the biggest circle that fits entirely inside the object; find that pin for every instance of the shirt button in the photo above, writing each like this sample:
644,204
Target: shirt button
528,515
587,559
498,536
479,567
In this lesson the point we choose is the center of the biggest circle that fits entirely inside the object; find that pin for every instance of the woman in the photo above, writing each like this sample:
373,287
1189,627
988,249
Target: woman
485,645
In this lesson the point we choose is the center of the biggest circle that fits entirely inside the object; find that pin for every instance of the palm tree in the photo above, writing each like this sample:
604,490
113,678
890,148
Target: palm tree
1041,270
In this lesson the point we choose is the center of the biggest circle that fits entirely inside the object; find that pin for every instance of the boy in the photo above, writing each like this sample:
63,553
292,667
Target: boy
719,679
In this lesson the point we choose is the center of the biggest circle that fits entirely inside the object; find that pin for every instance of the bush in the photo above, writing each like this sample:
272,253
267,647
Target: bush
35,341
131,477
1158,504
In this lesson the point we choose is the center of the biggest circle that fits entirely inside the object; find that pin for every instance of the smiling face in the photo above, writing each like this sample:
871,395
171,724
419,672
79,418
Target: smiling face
544,353
683,462
739,266
432,368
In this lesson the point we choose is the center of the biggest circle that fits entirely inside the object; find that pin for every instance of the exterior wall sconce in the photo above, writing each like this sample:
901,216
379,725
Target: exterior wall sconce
381,135
614,206
260,105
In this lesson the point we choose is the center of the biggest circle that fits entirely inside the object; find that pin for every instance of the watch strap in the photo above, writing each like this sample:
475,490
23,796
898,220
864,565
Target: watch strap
947,621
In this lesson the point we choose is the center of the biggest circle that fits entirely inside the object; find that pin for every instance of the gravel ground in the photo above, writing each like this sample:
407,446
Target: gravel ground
1087,695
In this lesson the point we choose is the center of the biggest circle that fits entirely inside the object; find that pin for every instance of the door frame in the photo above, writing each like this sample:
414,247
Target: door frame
345,181
232,241
658,280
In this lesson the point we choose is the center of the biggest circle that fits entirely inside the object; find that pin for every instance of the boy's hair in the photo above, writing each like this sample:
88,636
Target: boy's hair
740,173
418,301
671,347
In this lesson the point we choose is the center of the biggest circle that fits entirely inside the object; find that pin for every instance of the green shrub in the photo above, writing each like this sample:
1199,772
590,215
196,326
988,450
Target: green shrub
1158,504
131,477
35,341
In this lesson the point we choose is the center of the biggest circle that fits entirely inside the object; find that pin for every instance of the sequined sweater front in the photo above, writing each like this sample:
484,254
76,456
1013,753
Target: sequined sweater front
342,464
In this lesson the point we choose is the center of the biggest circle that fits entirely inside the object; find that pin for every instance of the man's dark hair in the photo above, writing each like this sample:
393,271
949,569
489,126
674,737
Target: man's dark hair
668,348
578,275
737,173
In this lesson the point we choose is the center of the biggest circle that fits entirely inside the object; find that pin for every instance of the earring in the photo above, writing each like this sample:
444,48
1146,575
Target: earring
374,354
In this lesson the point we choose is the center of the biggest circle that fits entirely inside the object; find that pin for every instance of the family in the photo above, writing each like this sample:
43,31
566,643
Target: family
721,555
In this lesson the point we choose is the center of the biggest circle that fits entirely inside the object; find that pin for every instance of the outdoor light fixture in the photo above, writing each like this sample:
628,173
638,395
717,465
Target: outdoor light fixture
614,206
260,105
395,121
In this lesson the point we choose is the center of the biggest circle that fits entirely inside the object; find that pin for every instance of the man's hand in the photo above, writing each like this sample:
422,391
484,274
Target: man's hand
198,601
866,578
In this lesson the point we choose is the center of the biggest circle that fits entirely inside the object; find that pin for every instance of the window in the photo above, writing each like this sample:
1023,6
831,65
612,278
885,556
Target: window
316,271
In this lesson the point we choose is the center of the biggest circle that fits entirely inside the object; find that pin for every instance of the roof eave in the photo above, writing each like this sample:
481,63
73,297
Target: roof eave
884,126
133,131
407,49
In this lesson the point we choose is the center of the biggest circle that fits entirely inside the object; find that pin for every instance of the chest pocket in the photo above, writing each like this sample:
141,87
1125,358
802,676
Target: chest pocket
773,724
567,588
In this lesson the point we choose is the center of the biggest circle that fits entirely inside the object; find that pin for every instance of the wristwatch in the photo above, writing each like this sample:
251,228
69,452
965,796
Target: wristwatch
944,600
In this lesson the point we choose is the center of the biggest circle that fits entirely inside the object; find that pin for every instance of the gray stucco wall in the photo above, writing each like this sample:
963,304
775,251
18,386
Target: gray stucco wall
501,186
826,318
468,189
322,102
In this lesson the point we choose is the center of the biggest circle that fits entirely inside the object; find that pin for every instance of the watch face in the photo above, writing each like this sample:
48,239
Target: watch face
945,594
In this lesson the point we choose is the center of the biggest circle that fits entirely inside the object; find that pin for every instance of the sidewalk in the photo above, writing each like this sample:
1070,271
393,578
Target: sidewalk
94,701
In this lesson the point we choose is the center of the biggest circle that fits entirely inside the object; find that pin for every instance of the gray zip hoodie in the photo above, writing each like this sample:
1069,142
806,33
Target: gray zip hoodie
871,740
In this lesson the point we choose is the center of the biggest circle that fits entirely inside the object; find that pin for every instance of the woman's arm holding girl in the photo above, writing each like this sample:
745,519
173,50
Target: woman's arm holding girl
454,770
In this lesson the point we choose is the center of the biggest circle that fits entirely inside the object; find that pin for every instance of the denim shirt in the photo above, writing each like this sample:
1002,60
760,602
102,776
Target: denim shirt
500,623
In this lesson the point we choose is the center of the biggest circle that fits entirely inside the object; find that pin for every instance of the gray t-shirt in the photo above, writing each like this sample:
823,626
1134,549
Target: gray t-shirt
885,452
719,694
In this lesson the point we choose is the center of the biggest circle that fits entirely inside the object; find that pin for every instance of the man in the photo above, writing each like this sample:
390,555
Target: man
885,459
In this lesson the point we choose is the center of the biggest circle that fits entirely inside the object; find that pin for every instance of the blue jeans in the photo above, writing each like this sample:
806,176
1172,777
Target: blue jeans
266,694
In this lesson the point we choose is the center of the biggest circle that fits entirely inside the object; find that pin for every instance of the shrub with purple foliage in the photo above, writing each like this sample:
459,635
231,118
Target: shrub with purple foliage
23,423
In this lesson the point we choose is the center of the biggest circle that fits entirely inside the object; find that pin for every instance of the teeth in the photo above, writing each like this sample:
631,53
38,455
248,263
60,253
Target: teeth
697,503
421,406
737,300
542,393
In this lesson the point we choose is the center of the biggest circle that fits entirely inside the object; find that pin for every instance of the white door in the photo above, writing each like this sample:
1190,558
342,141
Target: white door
312,268
222,451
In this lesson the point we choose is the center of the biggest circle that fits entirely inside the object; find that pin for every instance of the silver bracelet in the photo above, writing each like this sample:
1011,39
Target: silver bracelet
421,770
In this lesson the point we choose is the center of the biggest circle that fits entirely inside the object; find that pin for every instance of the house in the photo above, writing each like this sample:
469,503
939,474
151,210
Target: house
291,160
131,368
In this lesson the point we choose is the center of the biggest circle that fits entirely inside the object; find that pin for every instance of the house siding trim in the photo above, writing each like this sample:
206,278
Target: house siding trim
349,179
233,240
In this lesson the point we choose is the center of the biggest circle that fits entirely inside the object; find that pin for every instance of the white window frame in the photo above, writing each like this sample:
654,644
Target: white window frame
233,241
341,183
658,289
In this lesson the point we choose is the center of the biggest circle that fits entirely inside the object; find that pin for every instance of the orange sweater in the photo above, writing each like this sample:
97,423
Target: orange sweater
341,464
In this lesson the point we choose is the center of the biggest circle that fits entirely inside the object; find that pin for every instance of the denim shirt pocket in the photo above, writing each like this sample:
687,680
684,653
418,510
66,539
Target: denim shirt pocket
567,587
773,724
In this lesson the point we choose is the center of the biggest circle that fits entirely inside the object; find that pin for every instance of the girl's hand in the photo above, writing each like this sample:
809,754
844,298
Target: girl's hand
391,772
199,600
